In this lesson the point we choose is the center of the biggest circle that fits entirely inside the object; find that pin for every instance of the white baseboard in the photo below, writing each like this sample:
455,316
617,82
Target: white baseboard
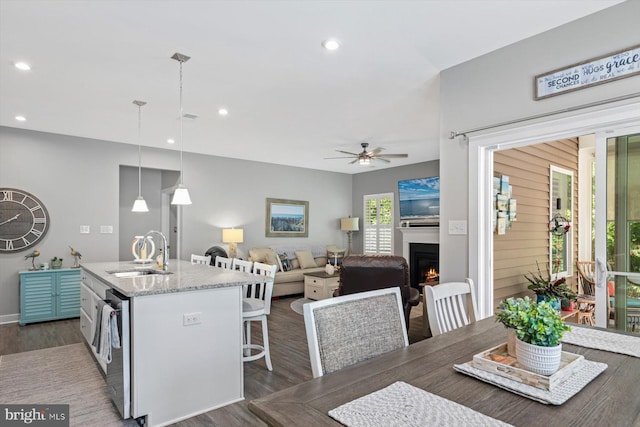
9,318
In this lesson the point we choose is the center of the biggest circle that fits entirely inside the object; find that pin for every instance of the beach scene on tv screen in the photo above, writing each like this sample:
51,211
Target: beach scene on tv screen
419,198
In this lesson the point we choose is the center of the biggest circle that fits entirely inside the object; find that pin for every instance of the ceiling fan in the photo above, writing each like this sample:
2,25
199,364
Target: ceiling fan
365,157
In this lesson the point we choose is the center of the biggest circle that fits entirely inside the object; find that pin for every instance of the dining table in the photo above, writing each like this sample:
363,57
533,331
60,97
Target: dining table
612,398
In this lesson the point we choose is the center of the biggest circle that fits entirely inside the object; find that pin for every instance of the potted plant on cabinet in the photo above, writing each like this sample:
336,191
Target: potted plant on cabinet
538,329
548,289
56,263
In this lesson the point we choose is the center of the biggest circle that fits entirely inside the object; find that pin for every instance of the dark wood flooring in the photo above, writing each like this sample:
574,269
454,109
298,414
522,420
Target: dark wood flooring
289,355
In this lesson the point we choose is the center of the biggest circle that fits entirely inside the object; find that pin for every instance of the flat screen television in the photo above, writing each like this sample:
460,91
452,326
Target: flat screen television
420,200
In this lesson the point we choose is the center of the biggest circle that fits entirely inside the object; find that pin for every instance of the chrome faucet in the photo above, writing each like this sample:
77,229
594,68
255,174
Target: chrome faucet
165,264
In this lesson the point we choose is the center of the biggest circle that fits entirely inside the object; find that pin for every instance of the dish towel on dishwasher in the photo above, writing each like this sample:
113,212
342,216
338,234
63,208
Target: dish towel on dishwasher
106,335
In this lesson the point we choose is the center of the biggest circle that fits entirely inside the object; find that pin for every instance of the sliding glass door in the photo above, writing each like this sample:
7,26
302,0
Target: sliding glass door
617,225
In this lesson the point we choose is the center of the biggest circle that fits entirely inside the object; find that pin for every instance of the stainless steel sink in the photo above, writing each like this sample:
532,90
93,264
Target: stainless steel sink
136,273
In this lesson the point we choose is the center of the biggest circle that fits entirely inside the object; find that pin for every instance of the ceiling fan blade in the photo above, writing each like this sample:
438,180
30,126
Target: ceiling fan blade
392,156
341,157
376,150
346,152
356,160
381,159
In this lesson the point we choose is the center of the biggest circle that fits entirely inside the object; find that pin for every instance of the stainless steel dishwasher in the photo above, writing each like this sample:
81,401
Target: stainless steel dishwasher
119,370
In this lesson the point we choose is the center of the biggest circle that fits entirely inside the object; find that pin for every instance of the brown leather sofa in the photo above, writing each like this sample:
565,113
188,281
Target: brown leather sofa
361,273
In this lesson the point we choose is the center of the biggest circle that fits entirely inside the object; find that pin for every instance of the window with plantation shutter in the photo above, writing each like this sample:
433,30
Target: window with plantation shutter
378,224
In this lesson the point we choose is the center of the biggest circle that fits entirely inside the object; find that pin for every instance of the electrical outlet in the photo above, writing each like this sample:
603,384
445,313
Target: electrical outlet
189,319
85,229
106,229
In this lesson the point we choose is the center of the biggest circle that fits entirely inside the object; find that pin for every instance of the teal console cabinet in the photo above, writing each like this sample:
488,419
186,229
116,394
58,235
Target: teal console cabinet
49,295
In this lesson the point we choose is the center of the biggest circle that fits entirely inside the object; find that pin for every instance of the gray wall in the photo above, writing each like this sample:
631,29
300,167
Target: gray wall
78,180
138,223
386,181
498,87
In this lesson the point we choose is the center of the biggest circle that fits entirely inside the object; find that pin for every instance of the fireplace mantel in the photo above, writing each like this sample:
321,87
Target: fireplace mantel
418,235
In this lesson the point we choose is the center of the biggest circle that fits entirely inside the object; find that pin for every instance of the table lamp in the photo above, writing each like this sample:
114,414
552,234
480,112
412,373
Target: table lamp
232,236
349,225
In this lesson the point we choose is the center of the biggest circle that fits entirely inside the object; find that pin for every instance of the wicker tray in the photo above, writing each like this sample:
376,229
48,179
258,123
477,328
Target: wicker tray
497,361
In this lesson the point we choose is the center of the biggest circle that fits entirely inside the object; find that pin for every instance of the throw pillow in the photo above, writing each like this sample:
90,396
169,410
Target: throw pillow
305,258
272,259
259,254
284,262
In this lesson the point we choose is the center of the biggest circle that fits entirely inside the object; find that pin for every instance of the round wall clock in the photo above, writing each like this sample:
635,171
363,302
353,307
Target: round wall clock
24,220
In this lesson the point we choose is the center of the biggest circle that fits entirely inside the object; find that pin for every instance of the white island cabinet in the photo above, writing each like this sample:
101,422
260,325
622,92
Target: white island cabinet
186,338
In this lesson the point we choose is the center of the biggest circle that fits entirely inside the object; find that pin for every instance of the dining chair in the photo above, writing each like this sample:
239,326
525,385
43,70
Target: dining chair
348,329
200,259
242,265
256,306
223,262
448,306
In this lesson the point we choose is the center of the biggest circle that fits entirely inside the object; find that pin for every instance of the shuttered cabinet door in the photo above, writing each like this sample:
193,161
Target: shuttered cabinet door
37,297
68,294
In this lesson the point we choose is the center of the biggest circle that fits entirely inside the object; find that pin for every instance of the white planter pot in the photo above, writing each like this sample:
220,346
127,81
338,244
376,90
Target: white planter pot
541,360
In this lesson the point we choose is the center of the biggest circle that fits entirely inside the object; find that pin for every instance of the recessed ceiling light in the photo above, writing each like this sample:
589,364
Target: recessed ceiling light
170,141
22,66
223,111
331,44
21,118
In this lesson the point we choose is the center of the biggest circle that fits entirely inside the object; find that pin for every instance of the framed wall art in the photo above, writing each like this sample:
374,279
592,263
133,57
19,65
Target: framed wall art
286,218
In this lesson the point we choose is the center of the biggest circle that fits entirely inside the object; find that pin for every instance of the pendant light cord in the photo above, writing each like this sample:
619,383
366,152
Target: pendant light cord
181,134
139,152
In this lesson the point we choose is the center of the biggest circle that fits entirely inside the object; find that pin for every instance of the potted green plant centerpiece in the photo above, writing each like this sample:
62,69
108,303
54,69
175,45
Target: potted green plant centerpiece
548,289
508,314
56,263
538,329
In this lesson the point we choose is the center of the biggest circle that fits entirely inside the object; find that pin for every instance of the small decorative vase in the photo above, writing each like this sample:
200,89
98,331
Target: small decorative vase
511,342
541,360
56,265
329,269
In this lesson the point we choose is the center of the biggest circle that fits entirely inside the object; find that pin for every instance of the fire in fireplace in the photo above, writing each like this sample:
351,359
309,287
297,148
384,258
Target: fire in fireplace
423,263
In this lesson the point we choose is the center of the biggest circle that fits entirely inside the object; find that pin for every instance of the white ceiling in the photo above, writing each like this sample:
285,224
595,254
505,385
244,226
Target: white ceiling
290,101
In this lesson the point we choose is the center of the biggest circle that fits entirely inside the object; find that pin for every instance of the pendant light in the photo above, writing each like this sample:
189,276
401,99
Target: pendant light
181,194
139,205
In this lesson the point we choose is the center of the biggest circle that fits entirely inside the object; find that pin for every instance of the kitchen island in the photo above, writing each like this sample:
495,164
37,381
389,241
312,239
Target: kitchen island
185,335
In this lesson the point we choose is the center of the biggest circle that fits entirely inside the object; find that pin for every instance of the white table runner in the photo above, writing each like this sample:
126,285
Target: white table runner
560,394
402,404
603,340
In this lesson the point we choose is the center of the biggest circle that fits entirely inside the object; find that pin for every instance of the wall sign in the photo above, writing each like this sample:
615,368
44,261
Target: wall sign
603,69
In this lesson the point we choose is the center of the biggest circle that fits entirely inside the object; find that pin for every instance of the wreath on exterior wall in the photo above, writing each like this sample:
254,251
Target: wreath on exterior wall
559,225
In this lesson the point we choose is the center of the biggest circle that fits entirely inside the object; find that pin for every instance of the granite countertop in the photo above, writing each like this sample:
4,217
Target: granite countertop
183,277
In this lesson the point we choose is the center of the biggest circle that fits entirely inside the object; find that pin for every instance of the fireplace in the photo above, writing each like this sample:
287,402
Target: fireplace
423,263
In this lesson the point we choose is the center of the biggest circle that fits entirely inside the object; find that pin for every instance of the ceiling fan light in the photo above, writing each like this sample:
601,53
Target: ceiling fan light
139,205
365,161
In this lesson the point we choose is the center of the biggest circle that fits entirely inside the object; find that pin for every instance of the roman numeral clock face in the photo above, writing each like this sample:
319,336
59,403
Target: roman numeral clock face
24,220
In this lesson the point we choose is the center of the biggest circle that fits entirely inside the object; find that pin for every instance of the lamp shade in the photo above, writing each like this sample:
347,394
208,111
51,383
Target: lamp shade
232,235
139,205
181,196
349,224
